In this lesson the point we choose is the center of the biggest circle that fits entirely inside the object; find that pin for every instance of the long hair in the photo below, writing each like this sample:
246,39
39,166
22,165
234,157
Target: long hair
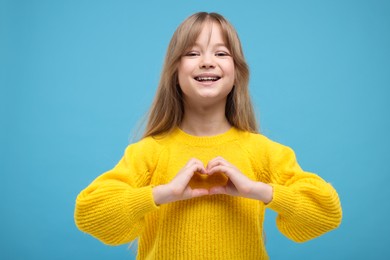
167,110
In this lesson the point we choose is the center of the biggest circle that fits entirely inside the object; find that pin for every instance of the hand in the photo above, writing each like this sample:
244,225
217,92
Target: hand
238,184
178,188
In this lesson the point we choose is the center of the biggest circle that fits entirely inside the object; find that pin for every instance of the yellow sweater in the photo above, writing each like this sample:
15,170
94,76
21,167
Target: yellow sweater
118,206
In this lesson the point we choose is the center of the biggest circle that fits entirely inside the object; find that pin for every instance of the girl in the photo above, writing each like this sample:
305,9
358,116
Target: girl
197,184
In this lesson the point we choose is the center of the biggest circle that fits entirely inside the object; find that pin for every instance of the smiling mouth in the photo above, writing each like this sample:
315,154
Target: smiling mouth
207,79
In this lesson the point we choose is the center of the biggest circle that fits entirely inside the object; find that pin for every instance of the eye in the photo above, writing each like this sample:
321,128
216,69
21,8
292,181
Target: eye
222,54
191,54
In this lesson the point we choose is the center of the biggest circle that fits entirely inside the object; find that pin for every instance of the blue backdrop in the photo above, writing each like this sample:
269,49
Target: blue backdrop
78,76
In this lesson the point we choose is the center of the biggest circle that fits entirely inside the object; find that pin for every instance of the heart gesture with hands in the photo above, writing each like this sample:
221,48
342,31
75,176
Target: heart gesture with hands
219,177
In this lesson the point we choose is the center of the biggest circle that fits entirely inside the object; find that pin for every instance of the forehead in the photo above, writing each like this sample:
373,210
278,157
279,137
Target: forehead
210,34
203,33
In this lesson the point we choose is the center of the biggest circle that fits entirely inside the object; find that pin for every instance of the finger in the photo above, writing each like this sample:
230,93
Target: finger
234,175
216,162
192,161
229,189
193,193
184,177
218,190
199,192
221,168
186,174
192,166
196,163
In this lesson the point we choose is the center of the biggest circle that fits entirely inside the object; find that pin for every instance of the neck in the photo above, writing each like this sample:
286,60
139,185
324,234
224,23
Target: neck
203,121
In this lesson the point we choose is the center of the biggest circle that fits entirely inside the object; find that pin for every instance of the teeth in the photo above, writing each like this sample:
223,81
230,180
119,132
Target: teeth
207,78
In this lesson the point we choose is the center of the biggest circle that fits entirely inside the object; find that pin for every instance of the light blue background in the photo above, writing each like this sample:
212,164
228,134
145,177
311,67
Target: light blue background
78,76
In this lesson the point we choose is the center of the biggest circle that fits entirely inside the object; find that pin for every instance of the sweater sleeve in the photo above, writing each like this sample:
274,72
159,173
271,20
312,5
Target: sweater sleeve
113,206
307,206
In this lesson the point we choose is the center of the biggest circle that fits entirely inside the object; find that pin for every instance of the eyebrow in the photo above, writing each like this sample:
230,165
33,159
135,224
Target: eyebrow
219,44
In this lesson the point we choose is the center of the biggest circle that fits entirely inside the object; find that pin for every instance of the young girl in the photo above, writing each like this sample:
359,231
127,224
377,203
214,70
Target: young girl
198,183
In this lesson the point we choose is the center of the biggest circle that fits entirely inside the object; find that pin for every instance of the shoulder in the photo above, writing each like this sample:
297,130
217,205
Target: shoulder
259,144
145,145
150,146
144,153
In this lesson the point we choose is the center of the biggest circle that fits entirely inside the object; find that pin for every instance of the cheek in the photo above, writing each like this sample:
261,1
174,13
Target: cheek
183,72
180,75
229,67
233,73
230,70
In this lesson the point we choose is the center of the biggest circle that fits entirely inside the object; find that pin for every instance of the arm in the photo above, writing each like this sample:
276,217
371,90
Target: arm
307,206
112,207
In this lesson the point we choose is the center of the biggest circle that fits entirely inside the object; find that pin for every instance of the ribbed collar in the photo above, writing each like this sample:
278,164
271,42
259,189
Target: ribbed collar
183,137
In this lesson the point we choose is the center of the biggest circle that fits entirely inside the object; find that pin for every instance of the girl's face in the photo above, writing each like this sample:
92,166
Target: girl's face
206,71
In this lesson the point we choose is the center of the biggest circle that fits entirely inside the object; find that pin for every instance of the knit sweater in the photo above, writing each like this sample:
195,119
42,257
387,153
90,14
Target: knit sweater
118,206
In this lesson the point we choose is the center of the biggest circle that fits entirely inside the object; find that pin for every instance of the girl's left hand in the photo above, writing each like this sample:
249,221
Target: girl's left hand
238,184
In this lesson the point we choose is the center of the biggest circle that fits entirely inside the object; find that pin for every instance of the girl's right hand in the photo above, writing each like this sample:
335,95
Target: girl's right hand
178,188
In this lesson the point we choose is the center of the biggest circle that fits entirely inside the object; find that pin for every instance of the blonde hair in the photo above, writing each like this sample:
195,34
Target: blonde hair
167,110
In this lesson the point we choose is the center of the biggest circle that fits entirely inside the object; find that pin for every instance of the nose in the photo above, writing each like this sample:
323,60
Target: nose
207,62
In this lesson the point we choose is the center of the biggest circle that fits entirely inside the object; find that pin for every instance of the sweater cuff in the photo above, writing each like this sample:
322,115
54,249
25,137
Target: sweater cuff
284,200
143,202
